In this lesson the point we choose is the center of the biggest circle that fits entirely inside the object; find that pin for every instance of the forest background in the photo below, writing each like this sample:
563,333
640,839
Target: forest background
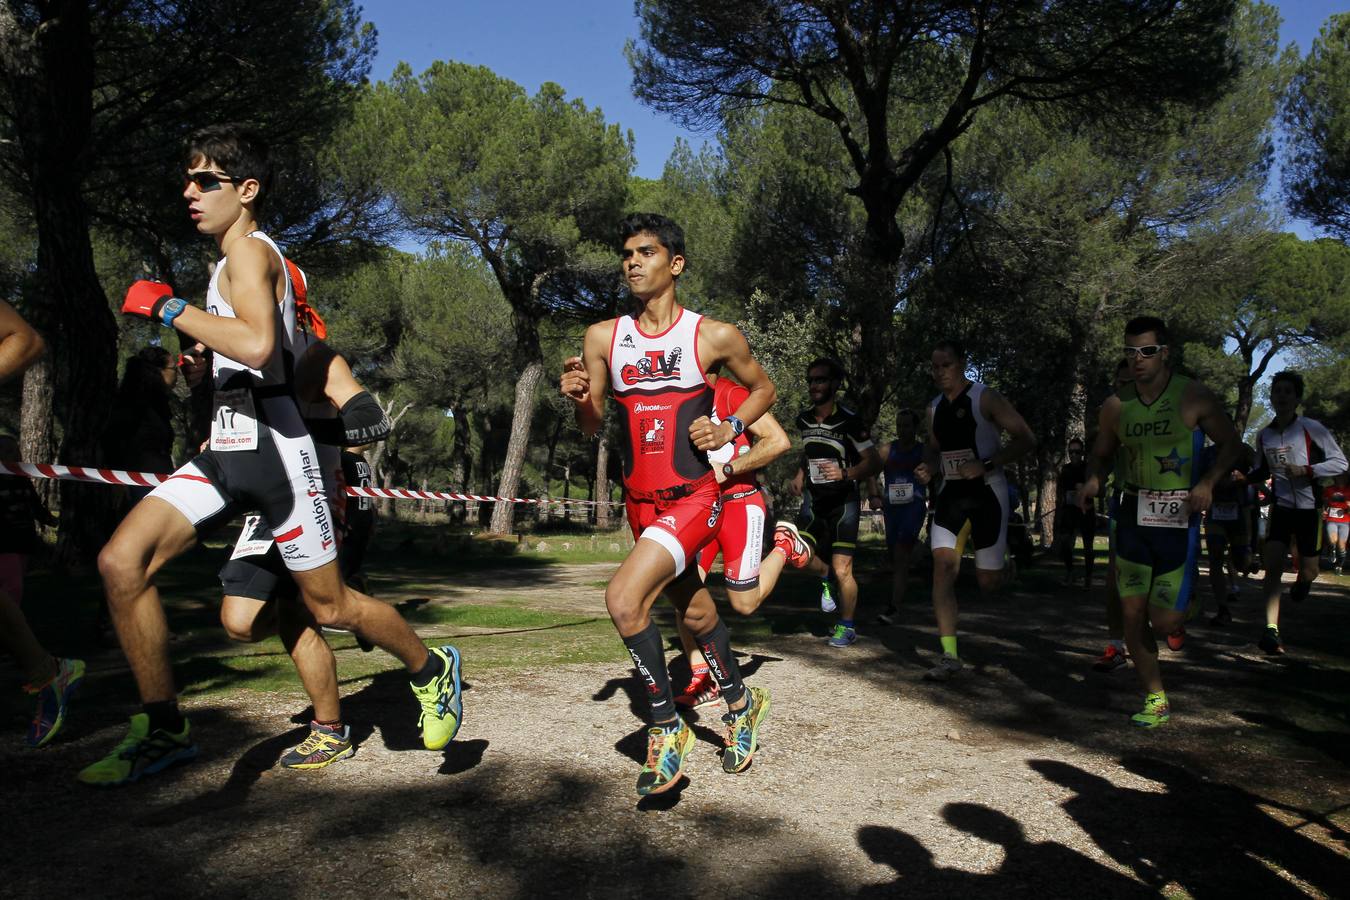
878,176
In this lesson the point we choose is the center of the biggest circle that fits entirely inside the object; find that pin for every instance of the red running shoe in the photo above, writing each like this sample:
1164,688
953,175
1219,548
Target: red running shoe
787,538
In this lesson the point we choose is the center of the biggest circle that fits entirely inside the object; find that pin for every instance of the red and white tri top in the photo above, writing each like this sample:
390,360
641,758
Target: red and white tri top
661,389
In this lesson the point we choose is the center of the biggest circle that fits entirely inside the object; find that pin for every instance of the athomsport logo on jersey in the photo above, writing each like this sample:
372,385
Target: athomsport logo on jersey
653,366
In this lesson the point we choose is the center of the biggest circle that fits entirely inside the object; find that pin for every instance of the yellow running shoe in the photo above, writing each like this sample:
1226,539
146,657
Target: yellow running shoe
1155,712
142,752
323,747
442,706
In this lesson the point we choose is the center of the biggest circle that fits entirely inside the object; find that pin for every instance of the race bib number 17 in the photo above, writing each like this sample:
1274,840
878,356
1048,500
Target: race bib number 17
954,460
234,425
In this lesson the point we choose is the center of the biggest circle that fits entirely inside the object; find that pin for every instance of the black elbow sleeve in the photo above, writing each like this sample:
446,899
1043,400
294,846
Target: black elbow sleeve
363,421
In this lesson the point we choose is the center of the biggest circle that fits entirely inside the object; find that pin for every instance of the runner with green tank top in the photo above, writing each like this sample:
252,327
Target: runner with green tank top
1113,657
1158,425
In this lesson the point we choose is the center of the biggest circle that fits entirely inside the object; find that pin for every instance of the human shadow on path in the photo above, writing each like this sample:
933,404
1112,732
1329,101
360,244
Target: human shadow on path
1211,839
1041,869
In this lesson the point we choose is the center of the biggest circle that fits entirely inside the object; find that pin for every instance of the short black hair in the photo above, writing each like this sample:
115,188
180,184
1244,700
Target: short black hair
835,368
906,411
662,227
1144,324
239,150
952,346
1293,378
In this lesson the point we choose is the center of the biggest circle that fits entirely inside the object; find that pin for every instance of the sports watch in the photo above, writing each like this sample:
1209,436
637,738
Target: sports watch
727,470
172,309
737,426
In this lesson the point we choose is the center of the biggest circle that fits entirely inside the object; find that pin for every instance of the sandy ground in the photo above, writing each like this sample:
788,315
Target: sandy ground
1022,777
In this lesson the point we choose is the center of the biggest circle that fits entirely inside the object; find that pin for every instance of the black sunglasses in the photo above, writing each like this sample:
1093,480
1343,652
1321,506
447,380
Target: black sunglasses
206,180
819,379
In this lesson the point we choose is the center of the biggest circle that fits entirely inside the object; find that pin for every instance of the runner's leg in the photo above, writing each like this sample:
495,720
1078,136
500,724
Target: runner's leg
153,533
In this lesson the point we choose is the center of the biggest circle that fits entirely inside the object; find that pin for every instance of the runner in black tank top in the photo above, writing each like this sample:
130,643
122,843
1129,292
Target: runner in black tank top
965,423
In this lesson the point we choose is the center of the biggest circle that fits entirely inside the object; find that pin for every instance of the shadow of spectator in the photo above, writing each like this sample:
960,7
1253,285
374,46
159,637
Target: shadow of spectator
1211,839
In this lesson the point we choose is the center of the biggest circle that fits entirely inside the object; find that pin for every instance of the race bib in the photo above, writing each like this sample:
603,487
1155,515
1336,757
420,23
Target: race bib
1337,513
249,543
1223,512
816,469
234,425
1279,458
900,493
954,460
1163,509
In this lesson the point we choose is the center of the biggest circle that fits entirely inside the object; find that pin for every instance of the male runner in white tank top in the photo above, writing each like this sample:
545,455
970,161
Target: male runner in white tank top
261,456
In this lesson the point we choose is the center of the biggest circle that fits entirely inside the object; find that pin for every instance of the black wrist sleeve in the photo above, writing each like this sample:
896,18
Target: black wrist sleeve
363,421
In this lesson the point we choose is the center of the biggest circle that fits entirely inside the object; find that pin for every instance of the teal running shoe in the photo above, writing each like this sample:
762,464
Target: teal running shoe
743,730
666,750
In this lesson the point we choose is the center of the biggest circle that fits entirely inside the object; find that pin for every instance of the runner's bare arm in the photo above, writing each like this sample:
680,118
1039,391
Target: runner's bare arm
1104,450
770,442
923,472
1022,440
722,344
20,345
1211,418
584,377
869,465
249,282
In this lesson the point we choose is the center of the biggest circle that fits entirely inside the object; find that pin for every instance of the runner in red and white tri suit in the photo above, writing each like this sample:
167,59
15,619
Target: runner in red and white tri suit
740,534
656,364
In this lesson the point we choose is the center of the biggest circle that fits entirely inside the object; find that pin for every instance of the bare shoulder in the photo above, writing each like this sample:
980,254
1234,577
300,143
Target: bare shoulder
600,333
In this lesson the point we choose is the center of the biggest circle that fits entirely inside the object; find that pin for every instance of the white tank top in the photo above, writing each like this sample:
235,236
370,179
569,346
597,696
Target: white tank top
278,370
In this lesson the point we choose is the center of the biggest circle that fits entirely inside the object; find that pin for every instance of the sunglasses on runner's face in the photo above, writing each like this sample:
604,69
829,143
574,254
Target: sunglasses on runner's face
1146,352
819,379
206,180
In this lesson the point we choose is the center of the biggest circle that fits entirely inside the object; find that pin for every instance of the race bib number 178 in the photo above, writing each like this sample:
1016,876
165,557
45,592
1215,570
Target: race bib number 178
1163,509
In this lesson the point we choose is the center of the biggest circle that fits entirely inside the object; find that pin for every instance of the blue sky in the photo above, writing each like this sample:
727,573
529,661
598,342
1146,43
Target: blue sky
579,45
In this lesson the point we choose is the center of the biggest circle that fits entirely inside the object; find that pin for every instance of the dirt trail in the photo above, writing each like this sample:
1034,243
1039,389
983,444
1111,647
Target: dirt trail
1021,778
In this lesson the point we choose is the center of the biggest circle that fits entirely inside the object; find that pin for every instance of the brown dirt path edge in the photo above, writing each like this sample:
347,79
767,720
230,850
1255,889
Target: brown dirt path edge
1020,779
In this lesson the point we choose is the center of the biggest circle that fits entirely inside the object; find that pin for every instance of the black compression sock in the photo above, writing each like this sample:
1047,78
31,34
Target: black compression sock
164,714
432,668
716,647
650,659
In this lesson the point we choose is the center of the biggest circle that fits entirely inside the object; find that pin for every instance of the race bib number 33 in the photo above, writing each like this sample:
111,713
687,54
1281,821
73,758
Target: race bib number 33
1163,509
900,493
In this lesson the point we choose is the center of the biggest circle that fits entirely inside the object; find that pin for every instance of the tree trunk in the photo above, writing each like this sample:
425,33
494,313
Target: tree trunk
602,481
1046,502
38,444
49,74
503,513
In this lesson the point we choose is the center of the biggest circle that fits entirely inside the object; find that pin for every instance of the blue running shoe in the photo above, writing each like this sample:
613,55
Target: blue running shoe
52,699
842,636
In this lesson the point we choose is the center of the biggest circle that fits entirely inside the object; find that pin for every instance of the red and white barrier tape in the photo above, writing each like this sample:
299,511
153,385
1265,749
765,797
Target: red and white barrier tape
150,479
